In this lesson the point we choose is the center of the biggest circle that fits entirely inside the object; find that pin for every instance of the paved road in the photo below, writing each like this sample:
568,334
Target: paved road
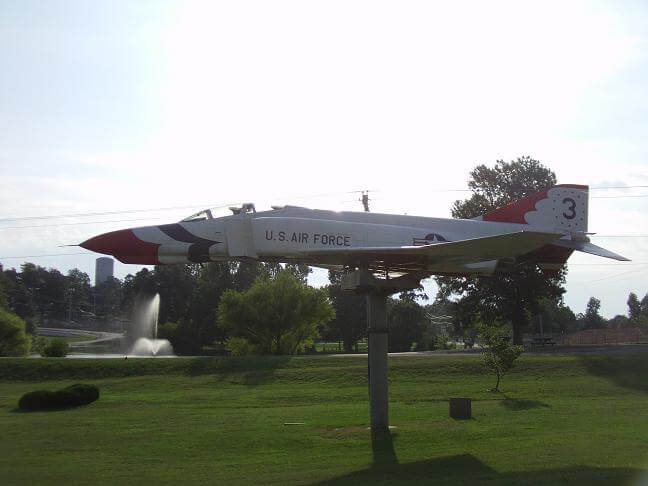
99,336
581,349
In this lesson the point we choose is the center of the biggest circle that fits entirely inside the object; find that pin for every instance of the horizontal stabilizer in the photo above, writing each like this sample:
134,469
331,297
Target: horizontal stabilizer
590,248
475,249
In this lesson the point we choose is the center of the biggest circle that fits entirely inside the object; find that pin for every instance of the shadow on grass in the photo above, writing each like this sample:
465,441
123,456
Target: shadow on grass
628,371
382,446
465,469
247,370
519,404
47,410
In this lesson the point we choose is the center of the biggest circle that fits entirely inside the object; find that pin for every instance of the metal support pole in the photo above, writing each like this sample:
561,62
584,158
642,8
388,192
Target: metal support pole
376,291
378,333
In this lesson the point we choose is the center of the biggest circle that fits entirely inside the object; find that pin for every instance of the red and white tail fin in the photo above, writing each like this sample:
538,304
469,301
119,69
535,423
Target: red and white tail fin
562,207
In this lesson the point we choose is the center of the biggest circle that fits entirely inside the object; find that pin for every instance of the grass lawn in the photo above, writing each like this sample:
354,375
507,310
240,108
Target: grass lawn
560,420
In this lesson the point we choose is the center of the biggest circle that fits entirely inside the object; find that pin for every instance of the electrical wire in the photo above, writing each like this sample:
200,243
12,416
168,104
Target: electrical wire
171,208
619,197
634,270
81,222
104,213
42,256
289,198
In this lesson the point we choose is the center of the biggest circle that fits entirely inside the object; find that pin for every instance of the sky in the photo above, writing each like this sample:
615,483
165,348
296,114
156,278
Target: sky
154,110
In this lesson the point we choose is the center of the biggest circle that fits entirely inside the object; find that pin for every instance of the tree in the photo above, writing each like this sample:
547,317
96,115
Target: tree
557,317
407,322
501,354
516,295
78,292
643,315
619,321
592,319
634,308
108,297
21,299
142,284
202,315
350,322
13,339
176,285
276,315
5,285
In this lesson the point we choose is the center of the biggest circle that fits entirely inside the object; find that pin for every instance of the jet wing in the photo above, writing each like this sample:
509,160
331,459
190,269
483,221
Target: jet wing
472,250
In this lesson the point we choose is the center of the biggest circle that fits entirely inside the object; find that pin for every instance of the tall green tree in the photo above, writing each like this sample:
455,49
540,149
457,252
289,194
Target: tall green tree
79,292
275,315
407,322
592,318
213,280
634,308
21,298
557,317
108,297
516,295
350,322
5,285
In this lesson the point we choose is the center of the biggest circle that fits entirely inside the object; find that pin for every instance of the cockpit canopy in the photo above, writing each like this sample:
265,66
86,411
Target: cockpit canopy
220,211
200,216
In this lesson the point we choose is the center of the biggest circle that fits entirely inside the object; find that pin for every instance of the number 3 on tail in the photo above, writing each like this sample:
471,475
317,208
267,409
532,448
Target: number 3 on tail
571,208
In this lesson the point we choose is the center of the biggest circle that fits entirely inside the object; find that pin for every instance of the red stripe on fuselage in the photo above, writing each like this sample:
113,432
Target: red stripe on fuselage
125,247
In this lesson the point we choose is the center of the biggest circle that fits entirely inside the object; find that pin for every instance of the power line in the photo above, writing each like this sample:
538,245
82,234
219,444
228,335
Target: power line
635,270
607,264
171,208
615,187
41,256
102,213
619,197
81,222
222,205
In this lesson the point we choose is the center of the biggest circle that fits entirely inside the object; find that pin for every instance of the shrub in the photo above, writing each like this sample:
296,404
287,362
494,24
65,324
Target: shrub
13,339
238,346
56,348
71,396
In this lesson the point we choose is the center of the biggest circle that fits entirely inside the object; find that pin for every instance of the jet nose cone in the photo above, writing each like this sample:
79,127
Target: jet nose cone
124,246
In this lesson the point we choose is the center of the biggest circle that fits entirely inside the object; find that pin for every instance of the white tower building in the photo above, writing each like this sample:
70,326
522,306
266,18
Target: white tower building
103,269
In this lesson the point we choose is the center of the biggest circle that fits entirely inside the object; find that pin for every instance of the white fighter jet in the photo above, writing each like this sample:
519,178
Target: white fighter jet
545,228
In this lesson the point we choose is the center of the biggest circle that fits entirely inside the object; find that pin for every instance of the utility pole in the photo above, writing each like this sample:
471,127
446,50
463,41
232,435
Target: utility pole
365,200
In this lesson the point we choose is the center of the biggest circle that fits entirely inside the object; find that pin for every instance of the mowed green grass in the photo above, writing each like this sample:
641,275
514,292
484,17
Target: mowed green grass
561,420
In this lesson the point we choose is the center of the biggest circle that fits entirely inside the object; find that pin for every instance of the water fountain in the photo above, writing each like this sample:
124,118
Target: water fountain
145,328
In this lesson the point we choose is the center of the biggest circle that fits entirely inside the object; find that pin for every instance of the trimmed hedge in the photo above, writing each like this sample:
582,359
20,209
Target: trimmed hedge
71,396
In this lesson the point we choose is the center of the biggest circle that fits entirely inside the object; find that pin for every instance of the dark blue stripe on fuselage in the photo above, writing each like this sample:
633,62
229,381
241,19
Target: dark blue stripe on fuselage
198,251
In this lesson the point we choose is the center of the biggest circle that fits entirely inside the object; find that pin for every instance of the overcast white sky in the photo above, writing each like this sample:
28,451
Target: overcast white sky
122,105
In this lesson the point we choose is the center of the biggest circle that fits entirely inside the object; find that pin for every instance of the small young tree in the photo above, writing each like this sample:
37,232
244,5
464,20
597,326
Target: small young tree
501,354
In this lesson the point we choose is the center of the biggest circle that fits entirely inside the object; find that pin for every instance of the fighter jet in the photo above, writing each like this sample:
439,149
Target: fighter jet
544,228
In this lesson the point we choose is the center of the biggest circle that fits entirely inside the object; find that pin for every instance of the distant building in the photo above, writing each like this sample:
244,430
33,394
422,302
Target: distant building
103,269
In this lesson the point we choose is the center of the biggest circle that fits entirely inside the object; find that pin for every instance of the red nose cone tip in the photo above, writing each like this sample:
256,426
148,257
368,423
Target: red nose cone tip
124,246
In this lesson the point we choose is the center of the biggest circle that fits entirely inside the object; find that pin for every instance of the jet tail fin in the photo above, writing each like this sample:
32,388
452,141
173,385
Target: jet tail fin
562,207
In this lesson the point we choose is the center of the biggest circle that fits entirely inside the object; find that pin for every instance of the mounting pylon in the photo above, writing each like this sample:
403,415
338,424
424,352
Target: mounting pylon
376,292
